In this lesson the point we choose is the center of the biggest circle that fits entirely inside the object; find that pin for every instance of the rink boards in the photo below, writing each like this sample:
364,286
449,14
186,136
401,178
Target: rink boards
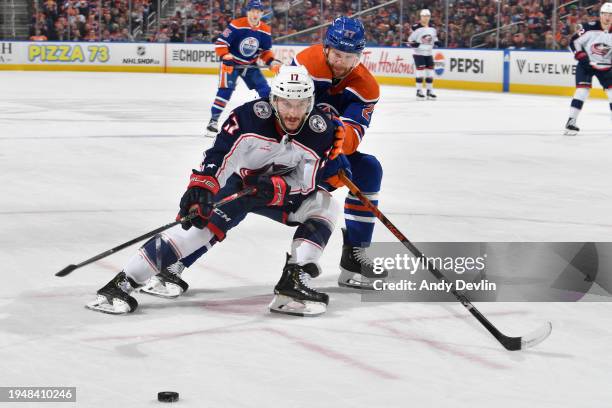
537,72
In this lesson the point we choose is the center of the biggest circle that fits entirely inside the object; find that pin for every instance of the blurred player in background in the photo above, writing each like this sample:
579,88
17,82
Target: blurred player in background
592,47
423,38
281,147
346,88
243,42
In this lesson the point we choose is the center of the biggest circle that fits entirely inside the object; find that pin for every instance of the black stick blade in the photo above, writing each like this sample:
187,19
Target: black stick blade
66,270
530,340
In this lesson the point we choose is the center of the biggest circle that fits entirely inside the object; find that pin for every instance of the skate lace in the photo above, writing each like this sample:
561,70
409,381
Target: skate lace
360,254
125,286
305,279
176,268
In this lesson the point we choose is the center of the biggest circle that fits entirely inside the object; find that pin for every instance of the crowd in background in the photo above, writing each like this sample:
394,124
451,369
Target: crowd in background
89,20
528,24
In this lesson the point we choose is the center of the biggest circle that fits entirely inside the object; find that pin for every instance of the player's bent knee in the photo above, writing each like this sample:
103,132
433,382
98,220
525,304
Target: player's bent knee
373,167
322,206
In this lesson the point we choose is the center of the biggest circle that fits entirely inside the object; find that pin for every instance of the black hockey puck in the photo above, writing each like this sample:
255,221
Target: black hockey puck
167,396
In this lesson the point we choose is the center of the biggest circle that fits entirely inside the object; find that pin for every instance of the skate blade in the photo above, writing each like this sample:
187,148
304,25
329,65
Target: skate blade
432,99
287,305
568,132
210,134
167,291
420,99
353,280
102,305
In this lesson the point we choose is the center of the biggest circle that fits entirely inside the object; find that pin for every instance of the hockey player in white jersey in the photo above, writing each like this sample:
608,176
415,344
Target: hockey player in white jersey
592,47
423,39
279,146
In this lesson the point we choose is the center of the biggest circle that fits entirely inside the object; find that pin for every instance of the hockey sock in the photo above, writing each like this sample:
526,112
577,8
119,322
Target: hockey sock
578,101
190,260
429,79
609,91
309,240
419,79
221,100
359,219
156,254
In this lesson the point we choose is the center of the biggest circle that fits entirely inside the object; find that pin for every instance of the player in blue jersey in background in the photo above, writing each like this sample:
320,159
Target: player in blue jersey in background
241,44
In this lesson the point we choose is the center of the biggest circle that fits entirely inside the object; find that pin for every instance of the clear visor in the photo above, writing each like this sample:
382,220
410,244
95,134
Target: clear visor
297,107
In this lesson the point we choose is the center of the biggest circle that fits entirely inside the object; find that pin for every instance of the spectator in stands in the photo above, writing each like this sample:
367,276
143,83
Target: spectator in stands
202,20
38,36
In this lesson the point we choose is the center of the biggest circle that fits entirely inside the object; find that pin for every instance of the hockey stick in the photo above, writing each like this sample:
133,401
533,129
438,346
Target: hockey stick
225,200
247,66
510,343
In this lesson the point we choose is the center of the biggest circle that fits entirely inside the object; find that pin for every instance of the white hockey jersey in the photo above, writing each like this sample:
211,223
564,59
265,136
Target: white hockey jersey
251,143
596,43
425,37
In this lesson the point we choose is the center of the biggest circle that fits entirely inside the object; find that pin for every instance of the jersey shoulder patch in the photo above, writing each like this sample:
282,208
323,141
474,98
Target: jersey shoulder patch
416,26
317,123
262,109
318,133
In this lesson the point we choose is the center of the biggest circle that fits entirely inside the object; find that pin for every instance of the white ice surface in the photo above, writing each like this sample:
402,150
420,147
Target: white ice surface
90,160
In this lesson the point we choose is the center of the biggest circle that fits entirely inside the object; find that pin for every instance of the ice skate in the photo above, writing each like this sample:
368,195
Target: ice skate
168,283
114,297
213,128
570,128
293,296
356,268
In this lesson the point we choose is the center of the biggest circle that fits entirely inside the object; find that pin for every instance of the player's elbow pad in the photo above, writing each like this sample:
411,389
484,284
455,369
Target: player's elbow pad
221,51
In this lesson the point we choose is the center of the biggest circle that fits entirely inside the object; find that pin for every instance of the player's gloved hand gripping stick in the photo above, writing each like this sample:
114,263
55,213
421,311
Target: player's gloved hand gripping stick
183,220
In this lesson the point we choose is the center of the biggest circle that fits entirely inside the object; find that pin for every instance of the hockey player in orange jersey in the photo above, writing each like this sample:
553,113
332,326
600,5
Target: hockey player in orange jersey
346,87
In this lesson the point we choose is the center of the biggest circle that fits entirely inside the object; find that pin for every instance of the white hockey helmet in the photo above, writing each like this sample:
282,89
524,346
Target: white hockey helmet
606,8
292,82
425,12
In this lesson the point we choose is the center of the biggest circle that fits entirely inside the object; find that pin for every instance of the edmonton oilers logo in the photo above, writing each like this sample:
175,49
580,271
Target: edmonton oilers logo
249,46
439,63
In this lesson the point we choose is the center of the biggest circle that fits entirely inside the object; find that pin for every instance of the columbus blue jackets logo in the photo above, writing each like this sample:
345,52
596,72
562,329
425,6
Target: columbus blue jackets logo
249,46
317,123
262,109
600,49
427,39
